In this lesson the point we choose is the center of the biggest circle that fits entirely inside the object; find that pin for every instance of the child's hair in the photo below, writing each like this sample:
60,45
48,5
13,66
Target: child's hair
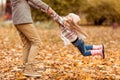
73,19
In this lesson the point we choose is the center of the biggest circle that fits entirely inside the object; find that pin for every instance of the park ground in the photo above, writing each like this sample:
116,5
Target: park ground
59,62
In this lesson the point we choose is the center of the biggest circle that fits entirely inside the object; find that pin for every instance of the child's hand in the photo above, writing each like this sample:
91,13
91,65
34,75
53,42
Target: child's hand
62,22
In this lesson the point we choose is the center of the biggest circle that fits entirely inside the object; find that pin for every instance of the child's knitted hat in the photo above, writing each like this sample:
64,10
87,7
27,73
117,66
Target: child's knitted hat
71,16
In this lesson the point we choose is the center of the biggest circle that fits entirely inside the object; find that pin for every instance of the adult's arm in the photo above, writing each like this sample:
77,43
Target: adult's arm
33,5
45,8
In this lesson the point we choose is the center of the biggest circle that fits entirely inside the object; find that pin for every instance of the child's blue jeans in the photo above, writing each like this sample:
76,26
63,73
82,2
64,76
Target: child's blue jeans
84,49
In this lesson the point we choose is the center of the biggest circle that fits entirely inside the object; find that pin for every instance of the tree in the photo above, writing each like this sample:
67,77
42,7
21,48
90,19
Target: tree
96,11
62,7
102,10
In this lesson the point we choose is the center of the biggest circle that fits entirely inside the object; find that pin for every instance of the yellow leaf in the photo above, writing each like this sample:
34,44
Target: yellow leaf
89,78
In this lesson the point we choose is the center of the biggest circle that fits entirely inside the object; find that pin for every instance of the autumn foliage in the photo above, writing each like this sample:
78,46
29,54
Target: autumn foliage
59,62
94,11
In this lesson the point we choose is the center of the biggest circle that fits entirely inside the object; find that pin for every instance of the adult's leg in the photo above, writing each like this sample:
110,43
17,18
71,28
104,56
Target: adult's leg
33,38
26,46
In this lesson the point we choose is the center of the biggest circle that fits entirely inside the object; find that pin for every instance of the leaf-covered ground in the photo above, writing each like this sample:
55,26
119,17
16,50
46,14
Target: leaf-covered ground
62,63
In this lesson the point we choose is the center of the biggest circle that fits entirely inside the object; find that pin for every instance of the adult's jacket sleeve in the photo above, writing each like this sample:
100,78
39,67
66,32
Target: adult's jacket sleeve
45,8
39,5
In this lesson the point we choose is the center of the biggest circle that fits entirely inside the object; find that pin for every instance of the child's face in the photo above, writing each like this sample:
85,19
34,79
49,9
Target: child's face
68,17
72,17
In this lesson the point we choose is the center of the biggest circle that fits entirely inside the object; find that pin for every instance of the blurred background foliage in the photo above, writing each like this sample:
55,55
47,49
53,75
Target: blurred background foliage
94,11
62,7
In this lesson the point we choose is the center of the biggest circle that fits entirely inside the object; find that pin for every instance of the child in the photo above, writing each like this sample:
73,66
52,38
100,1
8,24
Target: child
72,32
